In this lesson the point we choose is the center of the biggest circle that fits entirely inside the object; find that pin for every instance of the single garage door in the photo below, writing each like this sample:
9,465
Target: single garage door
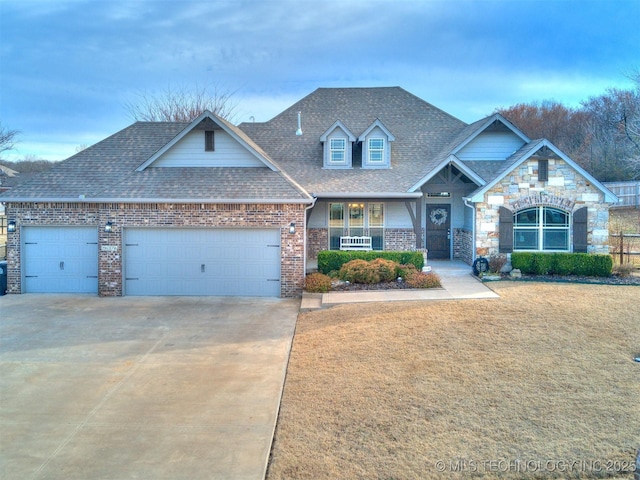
60,259
237,262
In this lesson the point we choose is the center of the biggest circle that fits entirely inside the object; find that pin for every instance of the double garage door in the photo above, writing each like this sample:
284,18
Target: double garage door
239,262
202,262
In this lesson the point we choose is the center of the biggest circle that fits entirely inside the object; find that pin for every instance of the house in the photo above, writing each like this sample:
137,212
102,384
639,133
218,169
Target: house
209,208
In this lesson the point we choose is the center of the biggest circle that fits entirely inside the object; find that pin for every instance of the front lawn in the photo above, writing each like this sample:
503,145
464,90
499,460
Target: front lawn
540,383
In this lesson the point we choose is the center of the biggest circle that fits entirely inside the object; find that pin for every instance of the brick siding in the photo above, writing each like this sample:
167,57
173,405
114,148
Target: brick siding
161,215
463,245
399,239
317,240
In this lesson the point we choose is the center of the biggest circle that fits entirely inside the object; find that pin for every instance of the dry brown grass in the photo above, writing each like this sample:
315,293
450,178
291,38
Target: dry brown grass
501,388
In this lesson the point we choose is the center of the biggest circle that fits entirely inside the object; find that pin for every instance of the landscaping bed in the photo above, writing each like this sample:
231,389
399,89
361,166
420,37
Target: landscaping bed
633,279
376,274
354,287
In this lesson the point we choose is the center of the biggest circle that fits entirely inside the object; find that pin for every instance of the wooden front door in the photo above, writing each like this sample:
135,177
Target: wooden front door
438,231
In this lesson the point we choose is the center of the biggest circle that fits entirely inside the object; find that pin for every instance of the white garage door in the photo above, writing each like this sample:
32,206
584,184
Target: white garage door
239,262
60,259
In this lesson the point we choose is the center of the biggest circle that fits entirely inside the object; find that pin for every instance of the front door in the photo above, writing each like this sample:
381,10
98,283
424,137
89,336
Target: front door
439,231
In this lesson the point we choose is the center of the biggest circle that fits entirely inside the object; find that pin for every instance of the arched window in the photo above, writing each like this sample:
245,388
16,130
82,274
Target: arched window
541,228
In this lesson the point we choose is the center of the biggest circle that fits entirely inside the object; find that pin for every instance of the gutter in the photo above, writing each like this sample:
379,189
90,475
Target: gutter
304,261
473,228
380,195
81,199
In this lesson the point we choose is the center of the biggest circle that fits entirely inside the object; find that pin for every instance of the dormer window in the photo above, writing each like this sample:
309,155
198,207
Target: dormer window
376,146
376,150
337,146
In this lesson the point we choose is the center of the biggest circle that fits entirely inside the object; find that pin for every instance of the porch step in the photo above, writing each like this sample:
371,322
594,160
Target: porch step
311,301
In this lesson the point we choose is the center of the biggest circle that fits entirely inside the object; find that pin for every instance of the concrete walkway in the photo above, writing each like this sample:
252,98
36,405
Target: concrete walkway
456,277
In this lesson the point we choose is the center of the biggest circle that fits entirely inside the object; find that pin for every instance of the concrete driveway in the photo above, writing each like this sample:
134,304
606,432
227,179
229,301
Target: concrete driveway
140,388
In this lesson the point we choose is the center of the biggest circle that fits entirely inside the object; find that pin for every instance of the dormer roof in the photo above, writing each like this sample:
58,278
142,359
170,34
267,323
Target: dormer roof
379,124
341,126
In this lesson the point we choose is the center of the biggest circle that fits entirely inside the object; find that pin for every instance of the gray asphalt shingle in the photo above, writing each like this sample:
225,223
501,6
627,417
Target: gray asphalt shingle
421,130
107,170
424,137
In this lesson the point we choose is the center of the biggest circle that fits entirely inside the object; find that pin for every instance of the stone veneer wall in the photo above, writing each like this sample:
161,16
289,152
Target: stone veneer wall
463,245
565,189
163,216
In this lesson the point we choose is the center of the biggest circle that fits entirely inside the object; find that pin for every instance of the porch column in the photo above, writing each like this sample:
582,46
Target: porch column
416,220
418,224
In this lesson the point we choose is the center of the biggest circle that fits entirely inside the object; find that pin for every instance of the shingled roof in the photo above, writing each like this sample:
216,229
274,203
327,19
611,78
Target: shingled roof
426,139
421,132
107,171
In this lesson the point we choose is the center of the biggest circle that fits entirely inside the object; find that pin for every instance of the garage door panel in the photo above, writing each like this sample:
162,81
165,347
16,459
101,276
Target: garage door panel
60,259
202,262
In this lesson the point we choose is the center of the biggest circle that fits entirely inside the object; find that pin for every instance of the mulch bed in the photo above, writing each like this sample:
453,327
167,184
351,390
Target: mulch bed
612,280
633,279
354,287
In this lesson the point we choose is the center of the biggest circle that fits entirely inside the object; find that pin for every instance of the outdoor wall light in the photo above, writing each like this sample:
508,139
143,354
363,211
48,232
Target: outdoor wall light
11,226
108,227
292,228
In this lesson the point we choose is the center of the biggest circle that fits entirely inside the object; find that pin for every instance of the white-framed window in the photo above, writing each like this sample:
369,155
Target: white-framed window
356,219
541,228
338,150
376,150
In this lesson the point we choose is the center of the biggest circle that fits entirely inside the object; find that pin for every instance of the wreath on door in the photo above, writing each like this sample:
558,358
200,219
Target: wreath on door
438,216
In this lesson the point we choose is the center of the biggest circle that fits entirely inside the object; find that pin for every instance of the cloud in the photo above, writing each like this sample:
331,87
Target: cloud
467,57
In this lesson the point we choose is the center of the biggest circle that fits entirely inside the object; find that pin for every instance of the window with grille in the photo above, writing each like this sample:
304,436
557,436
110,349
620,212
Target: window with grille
541,228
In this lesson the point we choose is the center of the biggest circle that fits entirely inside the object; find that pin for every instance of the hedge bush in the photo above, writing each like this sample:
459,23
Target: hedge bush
585,264
317,283
387,269
332,260
423,280
359,271
406,270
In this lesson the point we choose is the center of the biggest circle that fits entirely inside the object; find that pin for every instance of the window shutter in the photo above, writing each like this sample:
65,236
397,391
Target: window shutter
580,230
506,230
209,143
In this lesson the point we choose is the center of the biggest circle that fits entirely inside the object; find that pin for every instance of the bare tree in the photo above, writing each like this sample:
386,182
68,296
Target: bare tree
8,139
181,104
615,141
602,135
29,164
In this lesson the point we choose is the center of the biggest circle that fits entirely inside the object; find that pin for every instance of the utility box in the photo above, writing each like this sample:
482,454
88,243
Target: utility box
3,277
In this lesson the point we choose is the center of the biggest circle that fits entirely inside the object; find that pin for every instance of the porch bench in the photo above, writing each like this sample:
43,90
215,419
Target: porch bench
355,243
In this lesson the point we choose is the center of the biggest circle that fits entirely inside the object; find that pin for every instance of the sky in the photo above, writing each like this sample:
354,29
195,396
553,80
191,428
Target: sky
69,67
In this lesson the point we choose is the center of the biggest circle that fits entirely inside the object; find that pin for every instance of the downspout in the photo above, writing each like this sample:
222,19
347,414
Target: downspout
306,210
473,228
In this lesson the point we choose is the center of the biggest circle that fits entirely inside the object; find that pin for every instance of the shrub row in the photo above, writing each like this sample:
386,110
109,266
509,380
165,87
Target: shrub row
375,271
382,270
590,265
332,260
